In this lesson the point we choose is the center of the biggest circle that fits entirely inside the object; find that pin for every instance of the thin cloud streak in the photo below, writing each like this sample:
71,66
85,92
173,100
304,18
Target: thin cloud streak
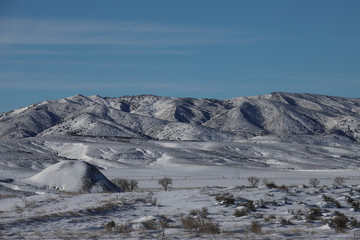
139,52
35,31
303,73
16,50
86,86
69,63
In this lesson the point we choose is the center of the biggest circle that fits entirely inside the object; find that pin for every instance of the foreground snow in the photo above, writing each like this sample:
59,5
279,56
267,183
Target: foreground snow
267,212
201,171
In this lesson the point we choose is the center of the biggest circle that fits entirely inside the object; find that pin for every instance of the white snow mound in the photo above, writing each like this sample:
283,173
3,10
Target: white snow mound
73,176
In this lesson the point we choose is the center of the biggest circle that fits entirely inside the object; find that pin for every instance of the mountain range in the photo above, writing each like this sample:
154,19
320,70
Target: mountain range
170,118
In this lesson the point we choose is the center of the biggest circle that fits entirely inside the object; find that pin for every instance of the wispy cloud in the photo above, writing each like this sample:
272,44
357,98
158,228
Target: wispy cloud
84,63
164,52
20,50
105,86
45,31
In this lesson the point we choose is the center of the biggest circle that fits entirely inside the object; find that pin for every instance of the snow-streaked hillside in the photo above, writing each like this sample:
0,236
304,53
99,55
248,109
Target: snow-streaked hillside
164,118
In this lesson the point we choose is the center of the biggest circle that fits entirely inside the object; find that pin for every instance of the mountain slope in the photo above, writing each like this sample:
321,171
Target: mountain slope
148,116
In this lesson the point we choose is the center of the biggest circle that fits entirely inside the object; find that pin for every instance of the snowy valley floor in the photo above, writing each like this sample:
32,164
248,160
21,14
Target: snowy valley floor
203,203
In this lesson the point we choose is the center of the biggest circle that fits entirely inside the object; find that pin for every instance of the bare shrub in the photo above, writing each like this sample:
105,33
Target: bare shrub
225,198
241,212
285,222
339,181
126,185
200,213
109,226
314,182
297,214
332,200
150,225
165,182
203,226
249,204
193,212
255,227
254,181
261,203
207,226
269,217
195,220
271,185
204,212
354,204
123,228
133,184
340,221
121,183
354,222
314,214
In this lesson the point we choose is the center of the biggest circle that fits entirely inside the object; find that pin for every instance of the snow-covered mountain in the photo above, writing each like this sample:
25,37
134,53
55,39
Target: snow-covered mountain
165,118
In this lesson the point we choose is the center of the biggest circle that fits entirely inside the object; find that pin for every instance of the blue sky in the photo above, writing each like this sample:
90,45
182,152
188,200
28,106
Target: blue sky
200,48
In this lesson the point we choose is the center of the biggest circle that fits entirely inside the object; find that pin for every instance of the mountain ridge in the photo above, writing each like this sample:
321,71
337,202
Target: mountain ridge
171,118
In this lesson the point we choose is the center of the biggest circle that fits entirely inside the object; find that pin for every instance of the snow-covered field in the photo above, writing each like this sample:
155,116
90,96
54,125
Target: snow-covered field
194,207
210,197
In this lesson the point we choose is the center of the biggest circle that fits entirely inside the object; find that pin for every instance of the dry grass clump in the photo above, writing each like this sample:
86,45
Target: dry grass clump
122,228
255,227
195,220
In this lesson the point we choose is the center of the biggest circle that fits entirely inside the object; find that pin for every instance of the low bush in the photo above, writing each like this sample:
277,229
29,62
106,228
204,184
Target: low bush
354,204
126,185
123,229
354,223
314,182
332,200
314,214
200,213
225,198
254,181
203,226
269,217
340,221
297,214
150,225
255,227
261,203
109,226
285,222
241,212
249,204
271,185
339,181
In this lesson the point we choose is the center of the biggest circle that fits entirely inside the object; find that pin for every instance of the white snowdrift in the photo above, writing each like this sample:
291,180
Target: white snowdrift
73,176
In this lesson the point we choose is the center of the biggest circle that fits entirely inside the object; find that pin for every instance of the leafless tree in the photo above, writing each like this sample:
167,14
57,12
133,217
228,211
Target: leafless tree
339,181
133,184
314,182
165,182
126,185
254,181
